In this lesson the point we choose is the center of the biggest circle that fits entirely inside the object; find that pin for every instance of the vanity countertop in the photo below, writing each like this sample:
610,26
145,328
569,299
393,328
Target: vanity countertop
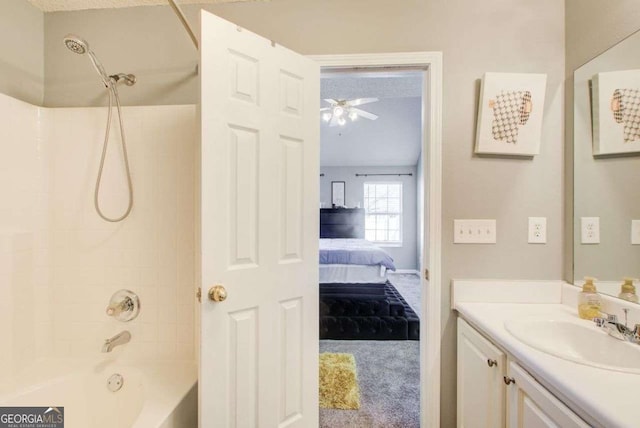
603,398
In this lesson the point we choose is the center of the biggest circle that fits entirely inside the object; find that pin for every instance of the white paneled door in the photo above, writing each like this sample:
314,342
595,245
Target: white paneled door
259,231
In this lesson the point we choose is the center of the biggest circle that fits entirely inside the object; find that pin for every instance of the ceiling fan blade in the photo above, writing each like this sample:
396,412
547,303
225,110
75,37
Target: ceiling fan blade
331,101
360,101
325,109
365,114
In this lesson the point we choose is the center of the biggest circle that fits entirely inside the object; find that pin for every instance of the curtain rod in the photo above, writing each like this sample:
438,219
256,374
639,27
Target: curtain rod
409,174
183,20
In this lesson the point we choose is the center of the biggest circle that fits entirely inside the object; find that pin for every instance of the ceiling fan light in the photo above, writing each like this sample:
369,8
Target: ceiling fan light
341,121
338,111
353,115
326,116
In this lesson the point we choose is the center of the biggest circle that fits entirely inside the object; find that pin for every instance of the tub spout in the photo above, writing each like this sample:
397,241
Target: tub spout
119,339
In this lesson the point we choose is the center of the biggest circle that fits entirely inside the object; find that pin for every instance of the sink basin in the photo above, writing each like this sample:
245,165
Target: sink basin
578,342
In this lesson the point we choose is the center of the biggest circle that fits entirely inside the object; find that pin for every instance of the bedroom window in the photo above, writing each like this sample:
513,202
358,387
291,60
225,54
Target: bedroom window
383,209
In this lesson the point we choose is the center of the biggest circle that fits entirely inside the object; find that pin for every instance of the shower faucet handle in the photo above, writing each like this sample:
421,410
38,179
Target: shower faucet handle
124,305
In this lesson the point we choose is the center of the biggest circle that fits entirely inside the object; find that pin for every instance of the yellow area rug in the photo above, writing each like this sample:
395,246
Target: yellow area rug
339,382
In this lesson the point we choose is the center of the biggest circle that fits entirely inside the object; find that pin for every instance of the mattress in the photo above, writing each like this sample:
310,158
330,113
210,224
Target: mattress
353,252
352,274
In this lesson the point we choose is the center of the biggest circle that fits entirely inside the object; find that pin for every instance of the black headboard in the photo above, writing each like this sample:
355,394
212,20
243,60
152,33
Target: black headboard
342,223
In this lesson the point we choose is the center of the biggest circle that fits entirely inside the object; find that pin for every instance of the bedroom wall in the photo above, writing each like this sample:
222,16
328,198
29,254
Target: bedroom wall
421,219
22,64
406,256
509,36
392,139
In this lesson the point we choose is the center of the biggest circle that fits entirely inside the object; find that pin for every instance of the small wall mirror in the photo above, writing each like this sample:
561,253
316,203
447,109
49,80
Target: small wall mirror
606,217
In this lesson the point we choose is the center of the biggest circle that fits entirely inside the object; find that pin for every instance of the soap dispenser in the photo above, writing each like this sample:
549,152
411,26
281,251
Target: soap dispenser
628,291
589,301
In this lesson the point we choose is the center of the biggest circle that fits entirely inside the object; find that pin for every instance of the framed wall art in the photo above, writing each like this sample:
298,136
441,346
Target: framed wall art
337,193
615,107
510,114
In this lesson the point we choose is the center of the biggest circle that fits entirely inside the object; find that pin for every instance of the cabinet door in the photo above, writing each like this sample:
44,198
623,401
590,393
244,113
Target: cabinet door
481,367
532,406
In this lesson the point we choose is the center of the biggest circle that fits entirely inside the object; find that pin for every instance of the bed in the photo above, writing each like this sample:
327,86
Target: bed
345,256
357,302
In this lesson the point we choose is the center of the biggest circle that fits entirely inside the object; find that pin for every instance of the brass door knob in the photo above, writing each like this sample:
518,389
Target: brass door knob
217,293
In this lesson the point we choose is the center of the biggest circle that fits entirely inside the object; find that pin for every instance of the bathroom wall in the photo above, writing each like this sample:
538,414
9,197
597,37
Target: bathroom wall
513,36
593,26
151,252
22,51
406,256
24,288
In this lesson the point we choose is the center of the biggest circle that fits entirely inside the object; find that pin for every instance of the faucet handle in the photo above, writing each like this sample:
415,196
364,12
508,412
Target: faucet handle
612,318
124,305
115,309
600,322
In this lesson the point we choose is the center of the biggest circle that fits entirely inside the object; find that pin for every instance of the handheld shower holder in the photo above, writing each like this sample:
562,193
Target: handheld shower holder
128,79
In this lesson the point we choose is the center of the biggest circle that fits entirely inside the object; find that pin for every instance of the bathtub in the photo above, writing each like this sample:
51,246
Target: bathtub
153,395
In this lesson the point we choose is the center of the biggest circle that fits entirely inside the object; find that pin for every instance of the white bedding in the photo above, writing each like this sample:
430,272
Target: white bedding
352,274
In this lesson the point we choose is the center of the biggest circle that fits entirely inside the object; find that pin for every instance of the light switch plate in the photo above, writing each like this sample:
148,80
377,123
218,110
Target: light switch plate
537,230
470,231
590,230
635,232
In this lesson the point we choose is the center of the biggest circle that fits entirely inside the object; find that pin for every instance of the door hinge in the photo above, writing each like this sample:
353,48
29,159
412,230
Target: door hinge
426,274
199,294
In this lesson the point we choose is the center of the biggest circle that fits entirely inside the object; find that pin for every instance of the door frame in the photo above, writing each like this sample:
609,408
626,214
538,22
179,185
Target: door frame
430,326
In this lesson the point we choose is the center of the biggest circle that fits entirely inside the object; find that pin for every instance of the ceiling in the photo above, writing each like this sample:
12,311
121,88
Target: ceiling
391,140
66,5
348,85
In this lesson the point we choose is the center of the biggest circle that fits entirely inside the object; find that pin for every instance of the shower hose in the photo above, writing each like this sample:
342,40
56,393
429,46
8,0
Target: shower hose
113,93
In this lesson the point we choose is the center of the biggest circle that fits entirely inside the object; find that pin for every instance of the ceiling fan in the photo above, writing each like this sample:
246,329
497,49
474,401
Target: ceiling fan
340,110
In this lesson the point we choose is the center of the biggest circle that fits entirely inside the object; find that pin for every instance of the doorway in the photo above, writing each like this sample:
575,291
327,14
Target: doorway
430,65
371,181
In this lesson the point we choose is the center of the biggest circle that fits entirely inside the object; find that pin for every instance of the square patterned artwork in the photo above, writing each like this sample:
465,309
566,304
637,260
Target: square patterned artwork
510,114
616,112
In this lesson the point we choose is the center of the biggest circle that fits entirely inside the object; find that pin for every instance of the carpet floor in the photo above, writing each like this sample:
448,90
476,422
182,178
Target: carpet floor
389,379
408,284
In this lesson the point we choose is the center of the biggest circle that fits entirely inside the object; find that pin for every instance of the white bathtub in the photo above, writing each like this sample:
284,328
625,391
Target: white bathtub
158,395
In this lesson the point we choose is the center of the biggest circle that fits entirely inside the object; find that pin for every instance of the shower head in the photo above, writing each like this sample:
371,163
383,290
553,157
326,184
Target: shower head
80,46
76,44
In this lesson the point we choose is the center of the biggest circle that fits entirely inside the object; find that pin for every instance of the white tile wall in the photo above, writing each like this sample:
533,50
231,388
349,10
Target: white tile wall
74,260
150,252
24,284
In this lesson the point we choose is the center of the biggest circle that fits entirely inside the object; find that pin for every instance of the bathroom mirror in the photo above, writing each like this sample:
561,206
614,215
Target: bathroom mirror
606,186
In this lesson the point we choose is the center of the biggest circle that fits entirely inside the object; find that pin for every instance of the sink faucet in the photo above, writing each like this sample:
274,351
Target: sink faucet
618,330
119,339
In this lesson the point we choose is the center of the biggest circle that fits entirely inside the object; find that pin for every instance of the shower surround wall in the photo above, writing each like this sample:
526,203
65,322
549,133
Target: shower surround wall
25,326
67,261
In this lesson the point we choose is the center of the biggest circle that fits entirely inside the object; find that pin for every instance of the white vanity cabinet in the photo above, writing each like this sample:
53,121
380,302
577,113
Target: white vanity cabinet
530,405
495,391
481,392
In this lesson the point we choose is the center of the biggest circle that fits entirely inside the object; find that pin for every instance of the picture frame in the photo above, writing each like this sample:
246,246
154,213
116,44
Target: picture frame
615,108
338,193
510,113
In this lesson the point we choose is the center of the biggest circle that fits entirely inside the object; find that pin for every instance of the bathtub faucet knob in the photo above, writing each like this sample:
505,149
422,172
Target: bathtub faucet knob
124,305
